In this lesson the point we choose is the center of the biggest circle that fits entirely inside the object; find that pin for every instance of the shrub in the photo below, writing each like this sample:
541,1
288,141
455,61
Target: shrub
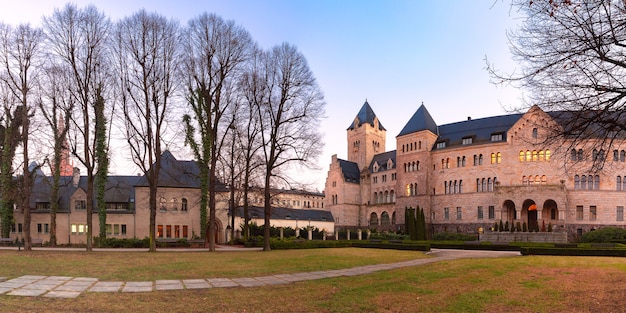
605,235
122,242
388,236
454,237
524,227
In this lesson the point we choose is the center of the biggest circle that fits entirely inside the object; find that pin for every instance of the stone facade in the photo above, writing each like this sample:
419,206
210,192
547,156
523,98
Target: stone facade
473,173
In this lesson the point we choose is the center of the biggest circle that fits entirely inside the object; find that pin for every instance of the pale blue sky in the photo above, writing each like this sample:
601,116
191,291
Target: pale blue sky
396,54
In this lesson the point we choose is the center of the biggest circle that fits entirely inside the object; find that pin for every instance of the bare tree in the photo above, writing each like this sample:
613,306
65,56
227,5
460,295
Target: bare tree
78,40
56,108
289,114
572,58
20,49
215,53
147,54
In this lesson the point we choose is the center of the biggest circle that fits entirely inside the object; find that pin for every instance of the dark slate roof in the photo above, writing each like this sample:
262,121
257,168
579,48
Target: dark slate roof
287,214
366,115
421,120
177,174
117,189
480,130
382,159
350,170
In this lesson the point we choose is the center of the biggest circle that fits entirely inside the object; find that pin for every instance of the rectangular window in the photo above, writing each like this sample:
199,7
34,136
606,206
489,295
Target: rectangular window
116,229
459,213
620,213
492,212
74,229
185,231
20,227
168,231
441,145
123,229
496,137
593,213
467,141
160,231
176,231
80,205
480,213
446,213
579,212
109,229
39,228
46,228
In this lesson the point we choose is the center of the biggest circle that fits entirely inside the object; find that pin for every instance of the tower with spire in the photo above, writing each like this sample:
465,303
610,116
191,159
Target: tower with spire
366,137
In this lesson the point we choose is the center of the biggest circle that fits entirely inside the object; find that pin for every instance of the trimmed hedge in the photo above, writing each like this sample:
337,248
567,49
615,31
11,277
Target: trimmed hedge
393,246
572,251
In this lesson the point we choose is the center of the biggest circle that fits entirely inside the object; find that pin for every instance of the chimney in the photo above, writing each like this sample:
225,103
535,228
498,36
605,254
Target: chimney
469,118
75,177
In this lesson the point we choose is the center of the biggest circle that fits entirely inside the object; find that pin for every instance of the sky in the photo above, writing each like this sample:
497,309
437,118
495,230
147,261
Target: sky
395,54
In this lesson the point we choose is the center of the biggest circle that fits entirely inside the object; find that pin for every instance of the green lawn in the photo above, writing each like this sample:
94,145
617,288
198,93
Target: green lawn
517,284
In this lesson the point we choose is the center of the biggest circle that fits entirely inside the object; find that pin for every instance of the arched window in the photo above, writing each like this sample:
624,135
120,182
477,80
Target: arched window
393,215
461,186
524,180
174,204
475,160
456,186
499,158
386,197
458,161
183,204
618,183
375,197
544,179
548,155
531,180
415,189
478,185
534,155
573,155
596,182
493,158
380,197
541,155
445,185
579,155
393,196
484,185
521,156
583,182
373,219
162,203
576,182
480,159
622,156
463,161
535,133
528,156
615,155
384,219
489,184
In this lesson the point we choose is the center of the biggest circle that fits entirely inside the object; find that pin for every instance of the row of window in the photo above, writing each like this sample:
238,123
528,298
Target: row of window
455,186
534,156
411,189
116,229
485,184
593,213
412,146
384,219
412,166
480,214
172,231
588,182
496,158
384,197
469,140
534,180
173,204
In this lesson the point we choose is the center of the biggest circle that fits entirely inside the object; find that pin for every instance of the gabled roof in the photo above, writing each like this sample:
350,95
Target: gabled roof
421,120
177,174
350,170
287,214
480,130
366,115
382,159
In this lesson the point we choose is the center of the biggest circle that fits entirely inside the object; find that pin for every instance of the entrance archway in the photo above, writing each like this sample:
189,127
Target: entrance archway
550,210
530,208
508,208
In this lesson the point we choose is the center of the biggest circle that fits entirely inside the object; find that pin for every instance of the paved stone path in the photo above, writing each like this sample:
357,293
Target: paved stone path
72,287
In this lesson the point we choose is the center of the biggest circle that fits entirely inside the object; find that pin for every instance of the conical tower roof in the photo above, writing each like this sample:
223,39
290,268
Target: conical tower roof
366,115
421,120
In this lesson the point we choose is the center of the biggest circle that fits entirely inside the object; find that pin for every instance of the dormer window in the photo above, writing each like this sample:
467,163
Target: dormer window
389,164
467,141
497,137
441,145
376,167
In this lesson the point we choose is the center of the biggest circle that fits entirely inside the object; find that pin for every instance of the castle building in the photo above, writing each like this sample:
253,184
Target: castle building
474,173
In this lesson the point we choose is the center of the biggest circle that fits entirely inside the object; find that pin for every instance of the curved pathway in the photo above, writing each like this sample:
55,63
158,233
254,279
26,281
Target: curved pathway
72,287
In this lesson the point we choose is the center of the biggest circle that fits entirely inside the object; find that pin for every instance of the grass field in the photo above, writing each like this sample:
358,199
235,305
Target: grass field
517,284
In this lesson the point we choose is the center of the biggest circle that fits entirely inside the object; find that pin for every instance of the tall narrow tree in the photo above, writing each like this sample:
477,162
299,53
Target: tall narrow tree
56,108
147,56
215,53
289,115
78,39
20,50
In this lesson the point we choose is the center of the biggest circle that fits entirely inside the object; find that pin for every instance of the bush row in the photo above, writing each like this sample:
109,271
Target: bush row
573,251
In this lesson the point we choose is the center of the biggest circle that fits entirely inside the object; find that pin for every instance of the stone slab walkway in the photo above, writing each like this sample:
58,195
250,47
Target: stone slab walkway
72,287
